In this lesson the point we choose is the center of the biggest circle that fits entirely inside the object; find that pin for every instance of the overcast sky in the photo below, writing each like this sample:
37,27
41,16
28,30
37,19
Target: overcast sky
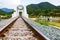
14,3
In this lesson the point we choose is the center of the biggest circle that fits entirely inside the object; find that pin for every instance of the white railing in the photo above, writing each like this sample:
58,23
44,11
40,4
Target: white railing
6,23
49,32
35,26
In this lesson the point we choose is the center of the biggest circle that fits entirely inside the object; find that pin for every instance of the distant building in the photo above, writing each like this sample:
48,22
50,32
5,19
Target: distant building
3,16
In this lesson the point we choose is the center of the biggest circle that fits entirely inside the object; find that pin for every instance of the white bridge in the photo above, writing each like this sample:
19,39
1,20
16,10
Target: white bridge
20,8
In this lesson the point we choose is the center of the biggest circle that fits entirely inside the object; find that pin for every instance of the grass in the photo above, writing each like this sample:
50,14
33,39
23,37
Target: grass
55,24
42,22
33,16
48,23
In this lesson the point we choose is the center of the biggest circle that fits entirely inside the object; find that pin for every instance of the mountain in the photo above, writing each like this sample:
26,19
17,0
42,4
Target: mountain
43,8
46,5
43,5
6,10
58,7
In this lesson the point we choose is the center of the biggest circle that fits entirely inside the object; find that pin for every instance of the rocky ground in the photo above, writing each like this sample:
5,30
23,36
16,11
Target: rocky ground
19,31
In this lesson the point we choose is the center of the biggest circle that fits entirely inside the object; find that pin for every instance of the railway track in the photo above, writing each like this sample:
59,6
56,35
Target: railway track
19,31
25,29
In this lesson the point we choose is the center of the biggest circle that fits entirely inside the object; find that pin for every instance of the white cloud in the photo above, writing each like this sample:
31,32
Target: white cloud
14,3
9,3
55,2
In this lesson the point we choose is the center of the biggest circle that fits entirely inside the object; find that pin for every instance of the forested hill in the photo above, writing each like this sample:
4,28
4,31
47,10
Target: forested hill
6,12
44,8
43,5
58,7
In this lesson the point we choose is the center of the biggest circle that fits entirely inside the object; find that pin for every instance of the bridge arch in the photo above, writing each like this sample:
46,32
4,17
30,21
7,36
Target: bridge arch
22,9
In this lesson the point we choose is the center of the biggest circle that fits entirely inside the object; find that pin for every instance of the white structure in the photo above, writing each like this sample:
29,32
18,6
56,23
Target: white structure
20,8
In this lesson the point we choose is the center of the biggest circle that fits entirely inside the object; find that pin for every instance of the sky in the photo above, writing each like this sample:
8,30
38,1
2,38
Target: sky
13,3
